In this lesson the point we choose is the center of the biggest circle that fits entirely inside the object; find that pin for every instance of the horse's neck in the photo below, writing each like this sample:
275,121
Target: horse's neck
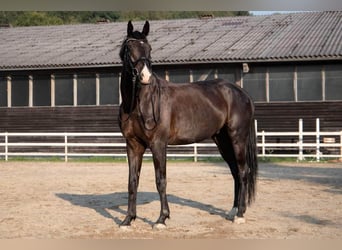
142,92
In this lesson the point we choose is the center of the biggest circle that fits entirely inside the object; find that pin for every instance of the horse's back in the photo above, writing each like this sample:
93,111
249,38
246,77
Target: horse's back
200,109
227,96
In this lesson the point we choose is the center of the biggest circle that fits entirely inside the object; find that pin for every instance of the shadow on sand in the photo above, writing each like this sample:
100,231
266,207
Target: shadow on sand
327,175
330,177
102,202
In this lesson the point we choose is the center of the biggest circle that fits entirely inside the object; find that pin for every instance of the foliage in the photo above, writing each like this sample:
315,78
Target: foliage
34,18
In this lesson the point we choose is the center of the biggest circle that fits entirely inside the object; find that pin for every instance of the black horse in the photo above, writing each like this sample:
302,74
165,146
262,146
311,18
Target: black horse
155,113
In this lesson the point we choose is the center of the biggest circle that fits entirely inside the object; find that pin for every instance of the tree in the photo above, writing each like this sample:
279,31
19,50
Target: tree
33,18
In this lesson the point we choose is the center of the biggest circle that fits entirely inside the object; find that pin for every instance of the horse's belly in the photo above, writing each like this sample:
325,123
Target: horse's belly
186,131
183,140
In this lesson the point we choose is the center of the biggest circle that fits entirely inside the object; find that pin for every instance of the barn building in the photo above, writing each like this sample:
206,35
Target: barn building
66,78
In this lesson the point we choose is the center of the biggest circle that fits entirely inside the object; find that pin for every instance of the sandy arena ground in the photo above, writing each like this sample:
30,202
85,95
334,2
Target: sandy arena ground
89,200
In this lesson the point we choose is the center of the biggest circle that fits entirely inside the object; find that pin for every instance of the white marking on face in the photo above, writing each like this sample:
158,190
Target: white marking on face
145,75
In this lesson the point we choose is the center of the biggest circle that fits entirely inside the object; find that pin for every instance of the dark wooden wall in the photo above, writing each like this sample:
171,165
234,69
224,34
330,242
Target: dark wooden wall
59,119
270,116
278,117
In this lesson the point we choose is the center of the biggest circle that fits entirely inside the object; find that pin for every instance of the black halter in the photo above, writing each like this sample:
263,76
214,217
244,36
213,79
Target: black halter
132,65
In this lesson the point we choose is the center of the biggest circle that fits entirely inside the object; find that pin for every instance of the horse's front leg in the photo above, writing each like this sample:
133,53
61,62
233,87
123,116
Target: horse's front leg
135,152
159,159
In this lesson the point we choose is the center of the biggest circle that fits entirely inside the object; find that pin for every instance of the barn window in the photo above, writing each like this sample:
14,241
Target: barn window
254,83
227,74
86,89
159,72
309,83
64,90
42,90
3,92
20,91
179,75
109,89
333,82
281,84
203,74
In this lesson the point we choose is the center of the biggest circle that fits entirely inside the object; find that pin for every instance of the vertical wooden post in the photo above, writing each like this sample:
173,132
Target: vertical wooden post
295,83
97,89
195,152
341,145
75,89
263,143
65,147
300,140
9,91
53,91
267,85
120,98
191,76
256,128
317,140
6,146
30,91
323,82
256,133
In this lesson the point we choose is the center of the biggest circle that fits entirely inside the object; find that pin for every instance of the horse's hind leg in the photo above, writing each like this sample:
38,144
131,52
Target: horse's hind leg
159,160
226,149
239,142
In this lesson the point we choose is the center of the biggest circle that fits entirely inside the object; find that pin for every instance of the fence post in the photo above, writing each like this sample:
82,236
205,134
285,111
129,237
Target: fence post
256,128
317,140
195,152
300,140
66,147
263,143
341,145
6,146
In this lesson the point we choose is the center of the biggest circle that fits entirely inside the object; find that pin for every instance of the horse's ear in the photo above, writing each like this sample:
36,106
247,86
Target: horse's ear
129,28
146,28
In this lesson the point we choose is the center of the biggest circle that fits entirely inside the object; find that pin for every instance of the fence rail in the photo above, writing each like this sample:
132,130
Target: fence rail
303,145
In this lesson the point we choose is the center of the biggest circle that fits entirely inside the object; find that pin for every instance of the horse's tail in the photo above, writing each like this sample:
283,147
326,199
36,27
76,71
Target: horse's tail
252,162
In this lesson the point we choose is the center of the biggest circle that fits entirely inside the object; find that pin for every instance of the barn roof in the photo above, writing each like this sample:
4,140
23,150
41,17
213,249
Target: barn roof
279,37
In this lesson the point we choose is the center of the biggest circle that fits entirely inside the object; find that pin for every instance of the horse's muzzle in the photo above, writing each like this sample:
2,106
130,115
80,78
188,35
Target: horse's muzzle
145,75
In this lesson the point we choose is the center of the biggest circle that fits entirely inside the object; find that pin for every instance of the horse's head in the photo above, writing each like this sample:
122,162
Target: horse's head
136,53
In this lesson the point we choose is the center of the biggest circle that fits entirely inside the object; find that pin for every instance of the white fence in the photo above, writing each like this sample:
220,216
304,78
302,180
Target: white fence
315,145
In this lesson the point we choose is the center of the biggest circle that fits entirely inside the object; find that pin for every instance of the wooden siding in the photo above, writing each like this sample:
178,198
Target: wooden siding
278,117
270,116
59,119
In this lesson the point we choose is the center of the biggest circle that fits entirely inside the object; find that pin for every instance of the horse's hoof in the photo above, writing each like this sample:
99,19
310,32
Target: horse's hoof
239,220
125,227
159,226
